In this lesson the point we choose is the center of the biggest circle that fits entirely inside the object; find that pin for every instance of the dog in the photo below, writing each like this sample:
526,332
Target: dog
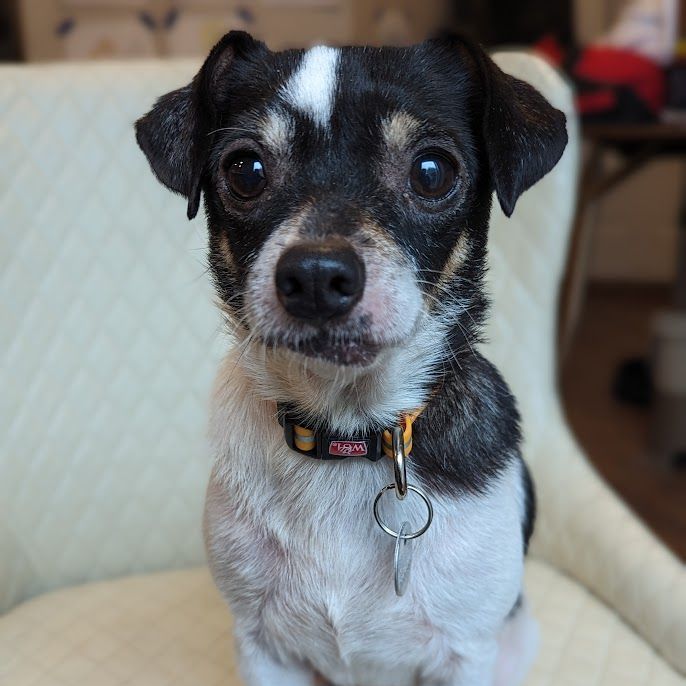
348,194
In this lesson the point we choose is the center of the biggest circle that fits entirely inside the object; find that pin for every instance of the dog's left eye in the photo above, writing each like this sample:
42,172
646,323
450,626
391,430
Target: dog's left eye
432,176
246,176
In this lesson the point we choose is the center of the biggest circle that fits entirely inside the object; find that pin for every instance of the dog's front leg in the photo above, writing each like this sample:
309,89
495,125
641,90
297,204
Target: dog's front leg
470,666
259,668
478,667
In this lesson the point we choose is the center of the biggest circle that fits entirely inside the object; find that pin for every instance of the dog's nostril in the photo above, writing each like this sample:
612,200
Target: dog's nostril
290,286
318,281
343,285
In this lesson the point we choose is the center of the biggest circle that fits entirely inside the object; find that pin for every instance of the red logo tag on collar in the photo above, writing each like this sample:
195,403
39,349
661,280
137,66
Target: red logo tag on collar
348,448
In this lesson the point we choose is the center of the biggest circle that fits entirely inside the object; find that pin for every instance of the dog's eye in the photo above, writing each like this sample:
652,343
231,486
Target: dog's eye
246,176
432,176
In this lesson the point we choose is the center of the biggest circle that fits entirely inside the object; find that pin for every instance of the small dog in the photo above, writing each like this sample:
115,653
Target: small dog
348,194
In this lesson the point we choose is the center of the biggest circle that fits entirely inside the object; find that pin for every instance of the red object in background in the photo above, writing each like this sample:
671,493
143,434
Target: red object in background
609,67
600,100
550,48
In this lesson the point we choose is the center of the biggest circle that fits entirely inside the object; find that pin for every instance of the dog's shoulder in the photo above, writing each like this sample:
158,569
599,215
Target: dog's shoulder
469,433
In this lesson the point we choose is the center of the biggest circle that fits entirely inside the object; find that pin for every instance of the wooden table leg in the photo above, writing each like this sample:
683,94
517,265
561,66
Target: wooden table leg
593,186
680,284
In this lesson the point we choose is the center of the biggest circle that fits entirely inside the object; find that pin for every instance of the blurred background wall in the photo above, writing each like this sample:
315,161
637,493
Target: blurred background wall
635,237
98,28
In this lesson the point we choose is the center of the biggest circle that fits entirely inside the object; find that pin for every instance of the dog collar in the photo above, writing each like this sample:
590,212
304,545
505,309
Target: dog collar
322,445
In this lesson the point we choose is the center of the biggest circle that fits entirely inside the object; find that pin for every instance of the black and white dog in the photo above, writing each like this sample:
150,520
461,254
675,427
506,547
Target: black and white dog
348,194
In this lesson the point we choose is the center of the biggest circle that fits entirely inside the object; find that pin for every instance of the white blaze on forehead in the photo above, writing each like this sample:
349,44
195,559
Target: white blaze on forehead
312,87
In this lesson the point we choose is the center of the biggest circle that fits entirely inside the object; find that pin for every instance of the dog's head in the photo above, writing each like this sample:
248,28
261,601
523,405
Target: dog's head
348,193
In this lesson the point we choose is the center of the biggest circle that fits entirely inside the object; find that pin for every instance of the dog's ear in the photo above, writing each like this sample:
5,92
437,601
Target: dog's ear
174,135
523,134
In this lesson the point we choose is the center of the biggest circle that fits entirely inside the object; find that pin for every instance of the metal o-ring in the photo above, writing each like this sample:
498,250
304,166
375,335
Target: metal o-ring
399,467
396,534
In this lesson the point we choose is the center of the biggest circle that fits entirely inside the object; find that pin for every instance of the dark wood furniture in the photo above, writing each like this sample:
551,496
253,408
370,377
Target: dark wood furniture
638,145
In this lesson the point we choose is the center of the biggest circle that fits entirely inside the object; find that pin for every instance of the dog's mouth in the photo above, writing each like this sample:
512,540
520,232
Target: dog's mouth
338,350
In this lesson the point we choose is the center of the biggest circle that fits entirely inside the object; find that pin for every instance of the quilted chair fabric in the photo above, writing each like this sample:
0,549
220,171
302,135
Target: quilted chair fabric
171,628
107,349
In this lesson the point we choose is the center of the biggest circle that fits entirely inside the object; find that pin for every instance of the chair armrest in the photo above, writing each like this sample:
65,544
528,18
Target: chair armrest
585,530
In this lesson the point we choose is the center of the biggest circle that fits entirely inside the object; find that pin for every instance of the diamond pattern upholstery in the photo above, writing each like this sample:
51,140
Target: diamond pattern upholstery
108,337
172,629
107,351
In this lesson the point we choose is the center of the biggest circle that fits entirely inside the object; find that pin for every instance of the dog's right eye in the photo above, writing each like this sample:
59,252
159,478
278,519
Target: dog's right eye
246,176
432,176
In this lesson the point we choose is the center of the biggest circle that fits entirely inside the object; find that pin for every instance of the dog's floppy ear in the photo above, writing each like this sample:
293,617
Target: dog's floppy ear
523,134
174,134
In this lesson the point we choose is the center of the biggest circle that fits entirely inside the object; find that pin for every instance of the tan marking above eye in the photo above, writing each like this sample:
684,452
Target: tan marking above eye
276,131
399,129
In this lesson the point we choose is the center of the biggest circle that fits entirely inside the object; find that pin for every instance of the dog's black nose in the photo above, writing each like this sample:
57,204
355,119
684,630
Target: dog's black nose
318,281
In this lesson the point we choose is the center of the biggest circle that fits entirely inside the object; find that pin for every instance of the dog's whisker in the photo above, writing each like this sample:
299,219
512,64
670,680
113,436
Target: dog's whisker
232,128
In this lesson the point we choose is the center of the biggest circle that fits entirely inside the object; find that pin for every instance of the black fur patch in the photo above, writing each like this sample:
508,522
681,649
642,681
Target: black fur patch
479,432
515,608
529,506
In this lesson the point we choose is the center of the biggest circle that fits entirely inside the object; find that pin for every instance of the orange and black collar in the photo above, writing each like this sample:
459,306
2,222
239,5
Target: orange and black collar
322,445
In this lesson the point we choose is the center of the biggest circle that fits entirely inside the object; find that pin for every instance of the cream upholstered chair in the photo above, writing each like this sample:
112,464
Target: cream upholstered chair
108,345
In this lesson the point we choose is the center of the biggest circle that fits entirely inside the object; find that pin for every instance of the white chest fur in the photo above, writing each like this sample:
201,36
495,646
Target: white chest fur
295,550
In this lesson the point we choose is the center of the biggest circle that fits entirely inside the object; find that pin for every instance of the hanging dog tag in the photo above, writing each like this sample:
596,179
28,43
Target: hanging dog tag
402,557
402,560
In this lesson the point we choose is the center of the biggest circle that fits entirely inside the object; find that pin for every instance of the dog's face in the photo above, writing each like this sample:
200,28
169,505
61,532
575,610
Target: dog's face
348,193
